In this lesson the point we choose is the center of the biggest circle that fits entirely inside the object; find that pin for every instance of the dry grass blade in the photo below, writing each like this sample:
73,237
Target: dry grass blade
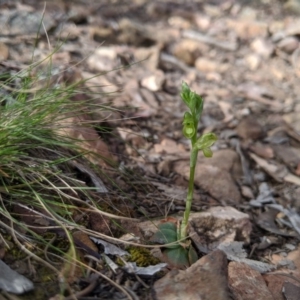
37,172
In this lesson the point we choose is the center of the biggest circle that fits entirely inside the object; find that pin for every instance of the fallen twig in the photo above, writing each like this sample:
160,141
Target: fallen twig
191,34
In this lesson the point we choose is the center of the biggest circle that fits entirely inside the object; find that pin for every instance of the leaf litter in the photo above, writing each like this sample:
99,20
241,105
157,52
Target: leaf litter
243,59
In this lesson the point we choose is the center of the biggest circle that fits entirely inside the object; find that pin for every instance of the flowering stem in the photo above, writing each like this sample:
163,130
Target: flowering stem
190,125
189,198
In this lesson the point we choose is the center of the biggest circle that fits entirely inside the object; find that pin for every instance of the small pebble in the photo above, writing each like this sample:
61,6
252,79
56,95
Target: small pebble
290,247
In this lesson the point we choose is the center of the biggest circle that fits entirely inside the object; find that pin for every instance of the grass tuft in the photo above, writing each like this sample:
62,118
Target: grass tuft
40,192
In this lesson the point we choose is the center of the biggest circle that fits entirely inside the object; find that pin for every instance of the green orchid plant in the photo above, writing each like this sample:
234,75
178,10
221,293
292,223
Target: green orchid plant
179,251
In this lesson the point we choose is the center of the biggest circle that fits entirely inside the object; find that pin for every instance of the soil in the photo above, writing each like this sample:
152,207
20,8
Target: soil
243,57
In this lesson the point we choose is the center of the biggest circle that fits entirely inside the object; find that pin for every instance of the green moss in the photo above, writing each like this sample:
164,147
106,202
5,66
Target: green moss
142,256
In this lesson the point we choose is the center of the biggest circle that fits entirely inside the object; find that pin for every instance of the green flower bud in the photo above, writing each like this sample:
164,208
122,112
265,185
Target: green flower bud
188,125
205,142
207,152
185,93
192,100
188,131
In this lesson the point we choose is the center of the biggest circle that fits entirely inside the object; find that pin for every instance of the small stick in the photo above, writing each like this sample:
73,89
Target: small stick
191,34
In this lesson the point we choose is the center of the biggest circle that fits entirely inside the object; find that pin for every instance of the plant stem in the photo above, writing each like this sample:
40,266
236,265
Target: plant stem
189,198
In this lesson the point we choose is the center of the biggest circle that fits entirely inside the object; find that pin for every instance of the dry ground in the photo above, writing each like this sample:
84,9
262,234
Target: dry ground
244,58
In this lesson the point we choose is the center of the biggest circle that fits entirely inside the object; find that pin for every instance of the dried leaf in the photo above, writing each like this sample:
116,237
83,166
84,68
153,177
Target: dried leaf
266,221
235,252
12,282
291,214
109,248
265,196
132,268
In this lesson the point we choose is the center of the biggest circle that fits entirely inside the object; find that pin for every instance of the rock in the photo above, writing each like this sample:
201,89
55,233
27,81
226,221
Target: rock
293,6
149,57
187,50
246,283
291,291
248,13
148,228
179,22
169,146
288,44
77,13
129,33
290,156
202,21
154,81
293,120
262,47
247,29
67,31
219,225
207,65
136,99
224,159
295,257
212,10
262,150
149,97
275,27
213,175
250,129
235,252
294,27
210,228
104,59
23,22
218,183
205,279
275,282
247,192
253,61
